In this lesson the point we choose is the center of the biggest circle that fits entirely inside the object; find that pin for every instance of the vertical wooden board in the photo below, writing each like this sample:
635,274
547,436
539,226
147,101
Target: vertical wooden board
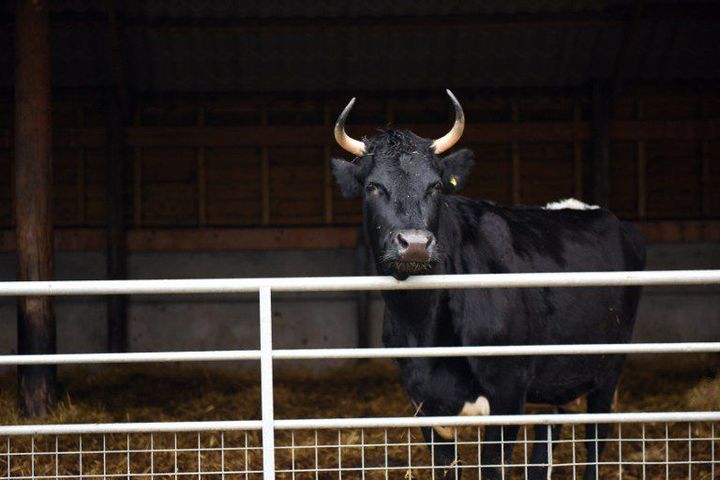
96,188
712,179
368,110
547,172
233,186
169,186
65,207
224,117
491,177
170,116
485,109
6,204
295,111
65,114
413,110
710,105
6,112
623,179
673,179
671,108
545,109
624,108
296,186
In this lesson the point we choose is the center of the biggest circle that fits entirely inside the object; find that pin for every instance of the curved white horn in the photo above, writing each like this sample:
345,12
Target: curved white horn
449,139
356,147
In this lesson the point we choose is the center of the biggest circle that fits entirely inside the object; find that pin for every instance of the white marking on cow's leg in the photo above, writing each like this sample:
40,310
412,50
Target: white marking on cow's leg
481,406
446,433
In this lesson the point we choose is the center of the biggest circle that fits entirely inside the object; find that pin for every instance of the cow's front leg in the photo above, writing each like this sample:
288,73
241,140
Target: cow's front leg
507,397
441,439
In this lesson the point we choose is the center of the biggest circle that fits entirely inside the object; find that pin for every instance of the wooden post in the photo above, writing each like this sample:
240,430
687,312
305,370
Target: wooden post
327,174
515,154
201,176
577,153
265,172
641,169
600,144
37,393
115,156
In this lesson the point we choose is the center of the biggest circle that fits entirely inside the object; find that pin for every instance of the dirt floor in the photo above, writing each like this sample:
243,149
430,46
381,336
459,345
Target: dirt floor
155,394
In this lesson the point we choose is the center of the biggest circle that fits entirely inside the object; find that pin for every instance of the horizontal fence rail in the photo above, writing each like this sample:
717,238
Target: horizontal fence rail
339,284
272,465
357,423
359,353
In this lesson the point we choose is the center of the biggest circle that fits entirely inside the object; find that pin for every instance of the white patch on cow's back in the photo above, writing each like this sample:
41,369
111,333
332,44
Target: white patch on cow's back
571,204
481,406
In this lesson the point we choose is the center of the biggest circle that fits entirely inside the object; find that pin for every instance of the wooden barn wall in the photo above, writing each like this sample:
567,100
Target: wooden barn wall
266,184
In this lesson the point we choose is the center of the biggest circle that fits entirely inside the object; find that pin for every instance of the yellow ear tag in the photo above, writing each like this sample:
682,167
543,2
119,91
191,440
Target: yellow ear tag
453,181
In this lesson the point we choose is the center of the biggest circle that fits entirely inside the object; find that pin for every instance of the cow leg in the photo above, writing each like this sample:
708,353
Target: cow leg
539,458
500,440
599,401
443,453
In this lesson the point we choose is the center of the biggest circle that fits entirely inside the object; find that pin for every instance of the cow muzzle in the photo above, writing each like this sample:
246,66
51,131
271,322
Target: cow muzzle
414,245
411,252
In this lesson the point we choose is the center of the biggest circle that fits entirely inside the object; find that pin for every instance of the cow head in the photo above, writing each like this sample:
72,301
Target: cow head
403,181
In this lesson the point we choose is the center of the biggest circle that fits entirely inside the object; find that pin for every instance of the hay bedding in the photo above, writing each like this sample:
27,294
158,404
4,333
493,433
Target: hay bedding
373,389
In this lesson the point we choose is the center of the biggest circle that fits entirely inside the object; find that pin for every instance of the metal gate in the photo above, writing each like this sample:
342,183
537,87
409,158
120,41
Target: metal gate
643,445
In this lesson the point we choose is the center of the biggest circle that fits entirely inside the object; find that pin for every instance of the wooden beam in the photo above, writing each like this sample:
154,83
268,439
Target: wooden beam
628,45
265,173
640,155
116,159
37,393
600,145
201,177
300,238
577,154
317,135
515,158
611,17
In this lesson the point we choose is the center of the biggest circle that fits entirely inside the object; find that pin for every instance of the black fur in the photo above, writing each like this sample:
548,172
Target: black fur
406,186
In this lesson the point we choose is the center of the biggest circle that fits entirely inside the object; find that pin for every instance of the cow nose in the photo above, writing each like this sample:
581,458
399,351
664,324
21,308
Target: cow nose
414,245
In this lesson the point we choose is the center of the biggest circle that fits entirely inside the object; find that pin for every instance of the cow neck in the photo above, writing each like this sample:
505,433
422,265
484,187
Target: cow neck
413,314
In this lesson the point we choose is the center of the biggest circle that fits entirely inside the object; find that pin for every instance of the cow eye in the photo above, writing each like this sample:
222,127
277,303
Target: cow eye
372,188
435,187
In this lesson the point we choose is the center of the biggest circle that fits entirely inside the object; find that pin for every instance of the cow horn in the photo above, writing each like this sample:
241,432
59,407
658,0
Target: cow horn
356,147
446,142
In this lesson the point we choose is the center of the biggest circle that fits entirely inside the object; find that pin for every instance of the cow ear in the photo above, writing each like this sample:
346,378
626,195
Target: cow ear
455,169
347,176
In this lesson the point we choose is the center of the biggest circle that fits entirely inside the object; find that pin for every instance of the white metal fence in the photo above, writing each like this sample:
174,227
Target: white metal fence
645,445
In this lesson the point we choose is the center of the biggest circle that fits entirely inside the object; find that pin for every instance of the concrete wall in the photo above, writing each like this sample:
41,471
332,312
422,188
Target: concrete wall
305,320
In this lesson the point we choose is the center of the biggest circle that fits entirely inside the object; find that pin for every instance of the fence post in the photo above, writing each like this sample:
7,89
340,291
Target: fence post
266,384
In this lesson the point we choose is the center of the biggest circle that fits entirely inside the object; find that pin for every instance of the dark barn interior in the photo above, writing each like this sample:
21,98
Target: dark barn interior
171,139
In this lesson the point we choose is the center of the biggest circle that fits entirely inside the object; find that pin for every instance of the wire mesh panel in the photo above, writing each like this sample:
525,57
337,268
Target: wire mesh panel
632,451
236,455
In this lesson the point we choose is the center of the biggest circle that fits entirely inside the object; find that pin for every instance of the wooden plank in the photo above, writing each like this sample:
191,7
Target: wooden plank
284,135
327,174
37,389
515,158
80,176
301,238
201,177
641,170
577,154
600,144
116,158
265,173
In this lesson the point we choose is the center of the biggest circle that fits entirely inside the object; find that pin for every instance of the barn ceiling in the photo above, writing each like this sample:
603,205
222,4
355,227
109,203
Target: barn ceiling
337,45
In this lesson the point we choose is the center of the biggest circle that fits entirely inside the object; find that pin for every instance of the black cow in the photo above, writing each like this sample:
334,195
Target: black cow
415,226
